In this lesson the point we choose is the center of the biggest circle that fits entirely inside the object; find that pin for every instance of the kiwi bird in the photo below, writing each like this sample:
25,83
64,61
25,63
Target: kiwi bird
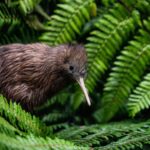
32,73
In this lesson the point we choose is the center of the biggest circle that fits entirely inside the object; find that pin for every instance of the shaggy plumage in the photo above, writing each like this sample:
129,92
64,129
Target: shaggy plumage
32,73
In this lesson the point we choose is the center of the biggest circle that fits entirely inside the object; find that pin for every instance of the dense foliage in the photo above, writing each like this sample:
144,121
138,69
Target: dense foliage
116,35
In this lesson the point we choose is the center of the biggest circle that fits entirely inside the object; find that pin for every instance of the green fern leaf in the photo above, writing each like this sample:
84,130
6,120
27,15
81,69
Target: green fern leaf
128,69
24,35
53,117
58,126
113,29
36,143
68,21
8,18
109,135
59,99
140,99
8,129
25,6
132,141
10,30
19,118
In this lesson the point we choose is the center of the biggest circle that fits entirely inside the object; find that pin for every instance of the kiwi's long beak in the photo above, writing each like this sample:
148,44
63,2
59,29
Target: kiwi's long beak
80,80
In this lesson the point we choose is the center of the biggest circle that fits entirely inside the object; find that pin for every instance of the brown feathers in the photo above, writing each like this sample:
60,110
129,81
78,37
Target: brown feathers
31,73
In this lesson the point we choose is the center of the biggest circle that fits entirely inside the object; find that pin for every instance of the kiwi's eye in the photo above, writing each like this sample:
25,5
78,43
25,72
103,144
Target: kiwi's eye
71,68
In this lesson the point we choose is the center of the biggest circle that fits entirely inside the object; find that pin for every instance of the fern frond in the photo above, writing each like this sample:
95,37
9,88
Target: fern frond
132,141
97,134
58,126
25,6
128,69
140,99
107,135
112,30
77,98
67,22
36,143
142,6
7,128
22,35
10,30
53,117
19,118
107,3
8,19
60,98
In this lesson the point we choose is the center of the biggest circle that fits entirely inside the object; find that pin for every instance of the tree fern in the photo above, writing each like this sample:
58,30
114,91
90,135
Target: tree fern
128,69
140,99
67,21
